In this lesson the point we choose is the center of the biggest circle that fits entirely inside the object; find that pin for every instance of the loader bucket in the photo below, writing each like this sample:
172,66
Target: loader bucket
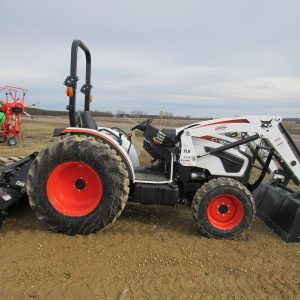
279,208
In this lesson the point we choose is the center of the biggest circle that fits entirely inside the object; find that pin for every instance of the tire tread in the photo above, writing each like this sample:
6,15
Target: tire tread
107,154
212,184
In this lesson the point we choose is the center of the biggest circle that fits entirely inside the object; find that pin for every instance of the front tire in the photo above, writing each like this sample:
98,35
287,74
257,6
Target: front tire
223,208
78,185
2,138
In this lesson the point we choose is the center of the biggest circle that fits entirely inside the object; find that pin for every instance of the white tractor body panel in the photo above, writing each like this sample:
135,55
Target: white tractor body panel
198,137
126,144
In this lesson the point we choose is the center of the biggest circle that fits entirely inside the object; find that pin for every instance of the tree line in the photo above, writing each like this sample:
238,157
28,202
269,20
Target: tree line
119,113
132,114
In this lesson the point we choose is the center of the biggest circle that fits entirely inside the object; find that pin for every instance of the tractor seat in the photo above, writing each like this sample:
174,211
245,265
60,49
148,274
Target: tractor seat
87,120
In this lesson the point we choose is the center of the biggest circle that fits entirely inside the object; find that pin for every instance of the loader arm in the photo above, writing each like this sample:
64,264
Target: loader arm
286,153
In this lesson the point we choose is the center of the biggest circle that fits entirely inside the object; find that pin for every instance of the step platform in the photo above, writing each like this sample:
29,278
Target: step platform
154,188
146,174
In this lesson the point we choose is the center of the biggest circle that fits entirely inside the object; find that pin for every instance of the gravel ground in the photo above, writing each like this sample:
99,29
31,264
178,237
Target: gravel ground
150,253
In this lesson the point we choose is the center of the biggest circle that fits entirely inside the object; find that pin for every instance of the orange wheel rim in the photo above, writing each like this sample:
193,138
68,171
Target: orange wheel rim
225,212
74,189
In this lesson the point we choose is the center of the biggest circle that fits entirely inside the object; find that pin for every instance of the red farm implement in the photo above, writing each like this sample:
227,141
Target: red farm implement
11,108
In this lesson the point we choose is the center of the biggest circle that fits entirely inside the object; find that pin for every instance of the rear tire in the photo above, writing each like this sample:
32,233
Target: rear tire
12,141
78,185
223,208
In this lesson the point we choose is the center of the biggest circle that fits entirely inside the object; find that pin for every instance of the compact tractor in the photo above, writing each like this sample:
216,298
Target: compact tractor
81,182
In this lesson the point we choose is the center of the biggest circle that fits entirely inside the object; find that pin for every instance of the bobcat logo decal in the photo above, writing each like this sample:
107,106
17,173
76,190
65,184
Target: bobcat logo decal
266,124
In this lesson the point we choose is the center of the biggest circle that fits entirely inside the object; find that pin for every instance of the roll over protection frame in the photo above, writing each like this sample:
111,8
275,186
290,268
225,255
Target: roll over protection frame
71,81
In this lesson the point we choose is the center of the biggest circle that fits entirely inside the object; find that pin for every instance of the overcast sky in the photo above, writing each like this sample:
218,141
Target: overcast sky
198,58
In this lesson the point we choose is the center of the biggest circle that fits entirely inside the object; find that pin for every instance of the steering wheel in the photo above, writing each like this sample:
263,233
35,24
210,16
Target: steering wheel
142,125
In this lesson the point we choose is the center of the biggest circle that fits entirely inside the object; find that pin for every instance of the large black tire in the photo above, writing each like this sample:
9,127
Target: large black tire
102,166
223,208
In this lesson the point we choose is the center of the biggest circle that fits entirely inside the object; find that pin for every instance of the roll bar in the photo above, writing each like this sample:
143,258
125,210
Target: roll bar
71,81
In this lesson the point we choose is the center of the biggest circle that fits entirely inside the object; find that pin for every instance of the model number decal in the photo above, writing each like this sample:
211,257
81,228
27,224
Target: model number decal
220,127
214,139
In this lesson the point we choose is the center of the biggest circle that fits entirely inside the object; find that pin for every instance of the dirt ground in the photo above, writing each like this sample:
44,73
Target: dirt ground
149,253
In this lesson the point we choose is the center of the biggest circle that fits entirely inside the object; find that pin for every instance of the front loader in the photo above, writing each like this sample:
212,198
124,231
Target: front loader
82,181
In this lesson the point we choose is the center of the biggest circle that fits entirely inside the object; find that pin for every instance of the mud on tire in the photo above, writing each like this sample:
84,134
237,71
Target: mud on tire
223,208
59,191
